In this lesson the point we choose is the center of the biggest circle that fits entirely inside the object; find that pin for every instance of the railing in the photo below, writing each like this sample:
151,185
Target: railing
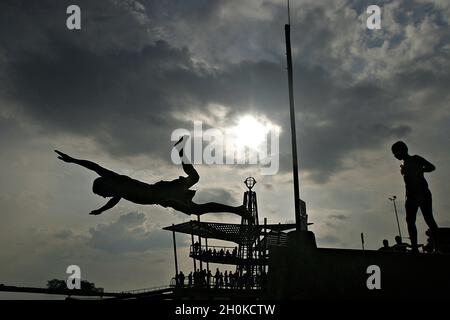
257,282
224,255
213,251
151,289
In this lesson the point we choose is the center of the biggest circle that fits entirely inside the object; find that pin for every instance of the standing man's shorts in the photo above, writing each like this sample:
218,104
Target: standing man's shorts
416,200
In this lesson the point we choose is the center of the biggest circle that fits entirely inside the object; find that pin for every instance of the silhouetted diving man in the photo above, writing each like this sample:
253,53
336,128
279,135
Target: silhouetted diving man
175,194
417,193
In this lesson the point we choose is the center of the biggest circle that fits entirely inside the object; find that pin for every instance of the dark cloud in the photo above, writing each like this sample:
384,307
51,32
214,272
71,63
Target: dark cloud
123,93
334,221
328,240
64,234
119,81
128,234
214,194
339,217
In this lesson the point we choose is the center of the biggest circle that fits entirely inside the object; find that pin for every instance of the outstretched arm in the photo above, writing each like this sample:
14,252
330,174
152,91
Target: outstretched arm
110,204
87,164
427,166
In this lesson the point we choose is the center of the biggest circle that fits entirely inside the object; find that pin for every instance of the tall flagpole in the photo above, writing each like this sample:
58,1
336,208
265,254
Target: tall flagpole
300,223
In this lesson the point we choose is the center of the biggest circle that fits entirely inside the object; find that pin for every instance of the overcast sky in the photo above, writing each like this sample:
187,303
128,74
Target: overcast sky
114,91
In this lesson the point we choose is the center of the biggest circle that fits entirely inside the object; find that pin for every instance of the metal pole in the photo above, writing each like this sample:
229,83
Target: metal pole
362,240
298,221
266,245
200,245
206,251
193,248
175,250
396,214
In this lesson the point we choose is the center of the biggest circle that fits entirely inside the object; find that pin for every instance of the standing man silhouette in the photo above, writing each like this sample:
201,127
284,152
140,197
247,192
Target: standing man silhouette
418,194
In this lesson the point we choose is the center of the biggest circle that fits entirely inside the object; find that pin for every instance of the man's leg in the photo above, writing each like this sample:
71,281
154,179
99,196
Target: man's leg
179,206
411,208
212,207
426,207
189,169
192,177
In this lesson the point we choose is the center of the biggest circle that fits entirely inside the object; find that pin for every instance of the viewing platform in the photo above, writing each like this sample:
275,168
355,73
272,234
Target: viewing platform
223,255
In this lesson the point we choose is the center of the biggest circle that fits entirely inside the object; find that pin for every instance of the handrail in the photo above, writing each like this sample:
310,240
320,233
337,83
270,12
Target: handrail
144,290
224,247
241,283
222,256
204,248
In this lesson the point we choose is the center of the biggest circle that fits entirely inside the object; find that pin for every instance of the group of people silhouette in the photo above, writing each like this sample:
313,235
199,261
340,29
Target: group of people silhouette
399,246
213,253
221,280
403,247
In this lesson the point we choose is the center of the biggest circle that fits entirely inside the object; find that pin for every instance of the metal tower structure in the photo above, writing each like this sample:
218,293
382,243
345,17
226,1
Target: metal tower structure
247,251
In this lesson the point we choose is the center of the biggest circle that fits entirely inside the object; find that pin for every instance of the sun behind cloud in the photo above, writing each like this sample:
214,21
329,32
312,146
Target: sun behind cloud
251,132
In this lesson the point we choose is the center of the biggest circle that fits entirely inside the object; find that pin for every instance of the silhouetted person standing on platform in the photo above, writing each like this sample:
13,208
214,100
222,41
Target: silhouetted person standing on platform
177,280
225,279
385,247
181,279
221,280
399,245
417,193
216,278
175,194
209,276
197,247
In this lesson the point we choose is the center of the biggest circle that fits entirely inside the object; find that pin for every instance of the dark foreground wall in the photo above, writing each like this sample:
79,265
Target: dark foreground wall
303,271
